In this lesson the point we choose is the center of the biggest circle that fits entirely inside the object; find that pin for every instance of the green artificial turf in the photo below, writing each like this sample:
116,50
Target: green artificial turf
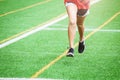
24,58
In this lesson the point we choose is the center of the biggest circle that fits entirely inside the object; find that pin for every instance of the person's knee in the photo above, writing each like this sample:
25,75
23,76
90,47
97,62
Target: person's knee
80,25
80,21
72,22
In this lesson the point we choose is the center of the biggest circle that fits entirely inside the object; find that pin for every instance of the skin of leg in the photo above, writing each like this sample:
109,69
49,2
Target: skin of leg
72,15
80,25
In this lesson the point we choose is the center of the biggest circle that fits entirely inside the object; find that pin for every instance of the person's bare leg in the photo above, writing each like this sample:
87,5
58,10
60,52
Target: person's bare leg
80,25
72,11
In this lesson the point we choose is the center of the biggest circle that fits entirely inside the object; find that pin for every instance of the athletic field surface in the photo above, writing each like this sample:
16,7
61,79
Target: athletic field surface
34,41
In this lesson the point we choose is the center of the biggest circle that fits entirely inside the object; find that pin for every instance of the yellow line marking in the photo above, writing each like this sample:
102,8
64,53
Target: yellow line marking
34,27
48,65
63,54
27,7
108,21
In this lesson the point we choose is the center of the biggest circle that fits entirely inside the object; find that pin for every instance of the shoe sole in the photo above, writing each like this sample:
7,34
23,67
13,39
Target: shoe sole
70,55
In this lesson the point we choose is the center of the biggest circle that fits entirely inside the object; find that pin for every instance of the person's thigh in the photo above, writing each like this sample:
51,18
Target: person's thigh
72,11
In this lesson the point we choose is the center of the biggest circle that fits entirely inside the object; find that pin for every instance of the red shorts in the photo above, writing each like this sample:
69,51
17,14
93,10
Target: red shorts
81,4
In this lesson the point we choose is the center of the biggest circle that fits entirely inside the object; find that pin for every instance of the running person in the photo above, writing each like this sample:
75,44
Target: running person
77,11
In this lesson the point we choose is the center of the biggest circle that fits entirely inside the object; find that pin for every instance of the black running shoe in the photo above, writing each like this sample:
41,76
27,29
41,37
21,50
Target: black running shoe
70,53
81,47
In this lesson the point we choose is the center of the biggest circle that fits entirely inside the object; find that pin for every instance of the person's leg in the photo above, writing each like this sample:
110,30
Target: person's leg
80,25
72,15
81,14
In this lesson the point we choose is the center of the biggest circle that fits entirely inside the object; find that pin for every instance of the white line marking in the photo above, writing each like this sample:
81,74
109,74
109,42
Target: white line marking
31,32
59,29
36,30
104,30
65,29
